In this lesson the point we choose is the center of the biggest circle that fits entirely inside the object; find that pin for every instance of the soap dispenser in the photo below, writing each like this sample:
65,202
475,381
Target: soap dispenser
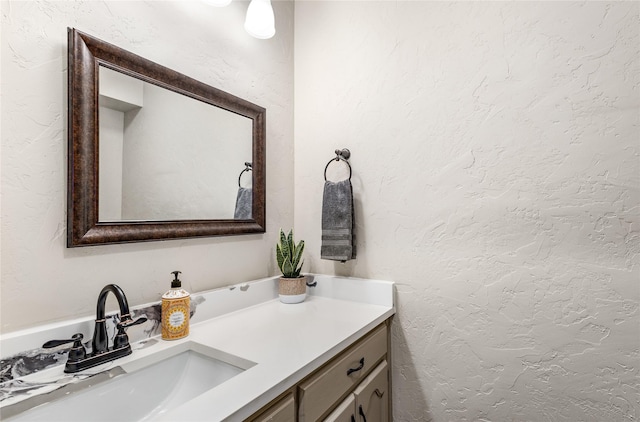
175,311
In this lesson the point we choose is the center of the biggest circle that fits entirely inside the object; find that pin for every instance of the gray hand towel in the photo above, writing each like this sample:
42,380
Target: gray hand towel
244,204
338,237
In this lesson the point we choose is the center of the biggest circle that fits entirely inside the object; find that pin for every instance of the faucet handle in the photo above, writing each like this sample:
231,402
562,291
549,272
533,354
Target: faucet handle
130,322
122,339
77,351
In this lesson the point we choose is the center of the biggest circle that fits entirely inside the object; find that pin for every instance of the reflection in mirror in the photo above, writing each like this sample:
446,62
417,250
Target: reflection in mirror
166,156
127,181
244,201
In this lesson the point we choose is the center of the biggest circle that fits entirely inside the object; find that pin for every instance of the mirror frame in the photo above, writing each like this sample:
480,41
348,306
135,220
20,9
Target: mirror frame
85,54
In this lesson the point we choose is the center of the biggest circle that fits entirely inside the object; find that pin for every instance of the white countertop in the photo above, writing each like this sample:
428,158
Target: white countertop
286,343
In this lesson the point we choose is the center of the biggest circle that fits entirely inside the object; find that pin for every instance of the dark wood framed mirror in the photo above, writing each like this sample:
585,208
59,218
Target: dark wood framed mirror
86,221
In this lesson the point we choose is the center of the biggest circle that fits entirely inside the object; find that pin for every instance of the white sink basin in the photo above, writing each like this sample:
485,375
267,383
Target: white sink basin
143,390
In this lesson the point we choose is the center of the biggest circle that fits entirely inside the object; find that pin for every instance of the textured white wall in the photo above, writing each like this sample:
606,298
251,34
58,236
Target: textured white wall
43,281
495,153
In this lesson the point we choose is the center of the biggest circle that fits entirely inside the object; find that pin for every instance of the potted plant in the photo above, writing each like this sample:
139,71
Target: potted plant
292,287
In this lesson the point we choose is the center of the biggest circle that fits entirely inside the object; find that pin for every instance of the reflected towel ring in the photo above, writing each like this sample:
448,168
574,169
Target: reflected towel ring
248,167
341,155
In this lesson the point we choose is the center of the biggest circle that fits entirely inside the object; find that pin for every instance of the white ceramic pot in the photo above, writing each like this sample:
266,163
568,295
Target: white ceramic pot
292,290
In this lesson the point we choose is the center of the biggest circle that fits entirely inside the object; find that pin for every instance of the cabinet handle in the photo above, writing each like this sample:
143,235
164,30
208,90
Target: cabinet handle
352,370
379,393
364,418
353,418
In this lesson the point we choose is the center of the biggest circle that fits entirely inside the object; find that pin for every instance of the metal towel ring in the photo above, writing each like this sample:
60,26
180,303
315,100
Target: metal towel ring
341,155
248,167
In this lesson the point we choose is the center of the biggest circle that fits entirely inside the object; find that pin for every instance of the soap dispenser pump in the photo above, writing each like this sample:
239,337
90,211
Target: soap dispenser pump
176,304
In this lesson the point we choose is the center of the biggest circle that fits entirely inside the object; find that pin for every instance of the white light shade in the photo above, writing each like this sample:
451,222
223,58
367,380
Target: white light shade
260,21
217,3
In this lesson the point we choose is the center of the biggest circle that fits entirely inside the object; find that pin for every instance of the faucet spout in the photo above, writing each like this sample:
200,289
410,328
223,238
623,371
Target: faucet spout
122,301
100,343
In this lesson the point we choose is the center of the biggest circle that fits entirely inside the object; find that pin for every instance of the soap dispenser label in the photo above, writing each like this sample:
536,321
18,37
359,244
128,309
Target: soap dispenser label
175,318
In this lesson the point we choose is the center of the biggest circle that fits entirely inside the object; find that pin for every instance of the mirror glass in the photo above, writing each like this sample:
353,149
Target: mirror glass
166,156
154,154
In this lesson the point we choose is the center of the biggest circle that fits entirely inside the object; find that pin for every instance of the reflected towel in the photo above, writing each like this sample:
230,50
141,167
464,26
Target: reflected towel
244,204
338,237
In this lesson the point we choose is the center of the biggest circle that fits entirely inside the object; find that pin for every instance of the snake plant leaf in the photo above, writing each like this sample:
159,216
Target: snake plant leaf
279,256
284,244
288,270
296,274
298,254
291,245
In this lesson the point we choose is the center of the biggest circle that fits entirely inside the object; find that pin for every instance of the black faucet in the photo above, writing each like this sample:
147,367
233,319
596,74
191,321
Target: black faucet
100,353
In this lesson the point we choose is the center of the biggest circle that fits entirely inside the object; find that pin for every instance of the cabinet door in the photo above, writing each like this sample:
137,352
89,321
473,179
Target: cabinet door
372,396
346,412
283,411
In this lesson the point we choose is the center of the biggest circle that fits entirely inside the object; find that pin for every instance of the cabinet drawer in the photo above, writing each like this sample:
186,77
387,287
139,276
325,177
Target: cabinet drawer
322,391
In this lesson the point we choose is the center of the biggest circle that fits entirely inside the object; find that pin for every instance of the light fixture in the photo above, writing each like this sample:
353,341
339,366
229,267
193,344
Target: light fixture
260,21
217,3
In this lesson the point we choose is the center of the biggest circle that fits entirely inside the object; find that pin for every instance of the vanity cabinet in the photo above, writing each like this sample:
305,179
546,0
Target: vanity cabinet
351,387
